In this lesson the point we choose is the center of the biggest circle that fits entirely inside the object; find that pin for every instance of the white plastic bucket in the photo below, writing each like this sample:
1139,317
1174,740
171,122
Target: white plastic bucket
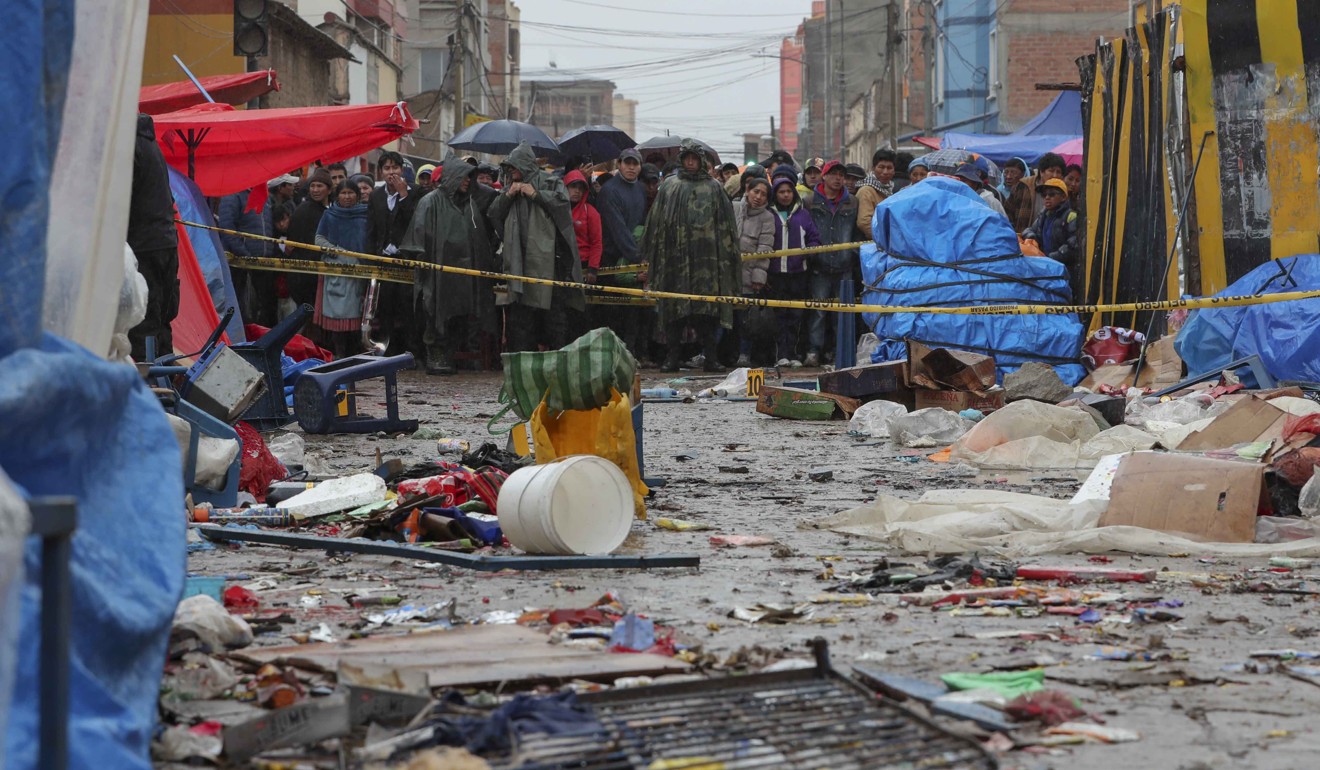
581,504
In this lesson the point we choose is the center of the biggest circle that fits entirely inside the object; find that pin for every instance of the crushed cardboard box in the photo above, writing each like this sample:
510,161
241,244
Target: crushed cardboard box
798,404
944,369
1201,498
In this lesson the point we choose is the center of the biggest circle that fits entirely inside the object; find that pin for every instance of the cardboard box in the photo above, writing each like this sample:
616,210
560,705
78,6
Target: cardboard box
795,404
958,400
1197,497
868,382
944,369
1162,369
1249,420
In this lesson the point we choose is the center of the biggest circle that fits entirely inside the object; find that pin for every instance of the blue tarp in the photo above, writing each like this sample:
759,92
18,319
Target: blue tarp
73,424
1286,335
938,244
210,252
1060,122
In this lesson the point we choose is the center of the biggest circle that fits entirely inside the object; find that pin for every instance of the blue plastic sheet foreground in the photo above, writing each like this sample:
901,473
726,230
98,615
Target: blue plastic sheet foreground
1286,335
938,244
72,424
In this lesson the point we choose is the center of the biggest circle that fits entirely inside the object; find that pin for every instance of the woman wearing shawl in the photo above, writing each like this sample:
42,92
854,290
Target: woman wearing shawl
339,298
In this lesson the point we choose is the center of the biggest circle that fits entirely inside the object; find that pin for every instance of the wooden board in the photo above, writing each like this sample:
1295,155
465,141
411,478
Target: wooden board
470,656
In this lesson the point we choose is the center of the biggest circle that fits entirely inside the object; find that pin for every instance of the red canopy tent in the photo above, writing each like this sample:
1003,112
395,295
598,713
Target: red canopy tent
226,89
225,150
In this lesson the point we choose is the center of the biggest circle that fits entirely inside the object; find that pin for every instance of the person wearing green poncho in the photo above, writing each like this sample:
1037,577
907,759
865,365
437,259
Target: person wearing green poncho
535,221
691,247
450,228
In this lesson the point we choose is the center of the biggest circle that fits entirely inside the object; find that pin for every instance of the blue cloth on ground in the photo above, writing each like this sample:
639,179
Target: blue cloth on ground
73,424
1286,335
938,244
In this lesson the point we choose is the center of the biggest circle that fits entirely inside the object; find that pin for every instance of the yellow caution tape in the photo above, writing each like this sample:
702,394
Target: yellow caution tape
392,274
638,268
831,305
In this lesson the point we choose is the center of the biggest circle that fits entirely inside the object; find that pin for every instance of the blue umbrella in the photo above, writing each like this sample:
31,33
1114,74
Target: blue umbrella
499,137
599,143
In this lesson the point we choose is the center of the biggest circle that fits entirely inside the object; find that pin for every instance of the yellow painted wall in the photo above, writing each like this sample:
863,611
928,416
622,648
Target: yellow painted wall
203,41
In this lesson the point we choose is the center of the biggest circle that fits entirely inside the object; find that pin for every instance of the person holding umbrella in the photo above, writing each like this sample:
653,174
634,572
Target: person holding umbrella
534,219
691,246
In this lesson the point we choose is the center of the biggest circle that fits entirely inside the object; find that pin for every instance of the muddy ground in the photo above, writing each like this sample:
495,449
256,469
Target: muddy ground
1196,714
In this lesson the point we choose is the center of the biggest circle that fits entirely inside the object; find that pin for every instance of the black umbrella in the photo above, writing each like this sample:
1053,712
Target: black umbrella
499,137
668,146
599,143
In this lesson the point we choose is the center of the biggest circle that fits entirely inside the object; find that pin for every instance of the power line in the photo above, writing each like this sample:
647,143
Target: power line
683,13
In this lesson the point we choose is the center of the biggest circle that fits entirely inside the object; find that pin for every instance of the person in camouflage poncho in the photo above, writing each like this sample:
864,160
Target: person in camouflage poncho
691,245
450,228
534,219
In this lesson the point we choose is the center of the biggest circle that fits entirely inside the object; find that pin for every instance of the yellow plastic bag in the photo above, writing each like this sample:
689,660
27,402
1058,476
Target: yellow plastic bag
605,432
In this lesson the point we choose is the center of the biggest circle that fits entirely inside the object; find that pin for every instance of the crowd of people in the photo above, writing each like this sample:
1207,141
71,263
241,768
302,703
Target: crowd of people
682,223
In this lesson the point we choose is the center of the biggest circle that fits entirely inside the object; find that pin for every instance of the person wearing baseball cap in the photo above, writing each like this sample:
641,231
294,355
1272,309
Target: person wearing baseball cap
811,175
622,207
1056,227
969,174
424,174
854,174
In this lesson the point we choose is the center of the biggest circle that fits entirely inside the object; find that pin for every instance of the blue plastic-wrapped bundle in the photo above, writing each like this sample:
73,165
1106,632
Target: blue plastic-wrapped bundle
1286,335
938,245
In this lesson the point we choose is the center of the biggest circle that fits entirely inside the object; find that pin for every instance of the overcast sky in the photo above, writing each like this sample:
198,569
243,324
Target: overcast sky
690,64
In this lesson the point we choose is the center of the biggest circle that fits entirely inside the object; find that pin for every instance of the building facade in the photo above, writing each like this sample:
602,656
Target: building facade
506,58
557,106
625,116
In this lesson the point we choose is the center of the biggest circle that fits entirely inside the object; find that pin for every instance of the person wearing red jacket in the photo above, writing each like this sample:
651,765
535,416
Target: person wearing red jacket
586,225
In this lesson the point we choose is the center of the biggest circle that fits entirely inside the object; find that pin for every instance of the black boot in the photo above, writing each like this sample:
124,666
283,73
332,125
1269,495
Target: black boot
674,338
438,363
710,349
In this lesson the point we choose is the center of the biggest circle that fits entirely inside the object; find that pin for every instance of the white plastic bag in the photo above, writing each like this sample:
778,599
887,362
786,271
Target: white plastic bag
1308,502
865,347
288,448
872,419
932,427
735,384
1027,434
132,308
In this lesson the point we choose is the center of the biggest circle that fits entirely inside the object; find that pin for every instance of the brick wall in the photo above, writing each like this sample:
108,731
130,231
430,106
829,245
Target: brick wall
1040,41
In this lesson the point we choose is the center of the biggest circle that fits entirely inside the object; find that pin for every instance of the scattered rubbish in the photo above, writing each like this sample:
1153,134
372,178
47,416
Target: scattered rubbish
679,525
795,404
927,428
1189,486
872,418
1101,733
885,380
1028,434
773,614
240,599
260,516
288,448
1008,684
336,495
901,688
735,384
201,623
740,541
579,505
945,369
633,633
208,586
452,446
1085,574
821,474
445,612
733,469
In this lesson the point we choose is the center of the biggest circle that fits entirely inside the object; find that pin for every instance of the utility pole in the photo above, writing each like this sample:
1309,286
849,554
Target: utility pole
460,55
928,47
892,48
827,127
774,139
842,85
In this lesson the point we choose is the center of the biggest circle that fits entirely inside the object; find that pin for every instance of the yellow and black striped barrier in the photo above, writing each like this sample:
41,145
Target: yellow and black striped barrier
831,305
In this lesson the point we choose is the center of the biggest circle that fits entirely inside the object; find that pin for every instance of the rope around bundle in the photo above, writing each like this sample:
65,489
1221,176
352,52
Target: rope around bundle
834,306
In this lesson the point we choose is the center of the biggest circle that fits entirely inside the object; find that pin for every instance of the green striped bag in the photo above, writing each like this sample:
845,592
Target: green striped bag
580,375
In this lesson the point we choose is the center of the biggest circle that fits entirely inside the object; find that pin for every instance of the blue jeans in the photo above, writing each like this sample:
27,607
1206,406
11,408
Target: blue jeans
823,286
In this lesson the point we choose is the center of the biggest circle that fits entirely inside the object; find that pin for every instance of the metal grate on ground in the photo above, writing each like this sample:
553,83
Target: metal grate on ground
809,718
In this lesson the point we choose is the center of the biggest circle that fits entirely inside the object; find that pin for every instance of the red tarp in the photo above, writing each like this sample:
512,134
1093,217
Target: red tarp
197,317
226,89
242,149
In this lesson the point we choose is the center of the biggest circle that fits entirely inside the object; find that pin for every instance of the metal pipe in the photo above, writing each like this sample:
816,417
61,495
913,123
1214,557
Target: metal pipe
193,78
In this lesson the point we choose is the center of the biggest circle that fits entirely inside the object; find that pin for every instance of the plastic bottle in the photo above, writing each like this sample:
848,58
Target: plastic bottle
659,393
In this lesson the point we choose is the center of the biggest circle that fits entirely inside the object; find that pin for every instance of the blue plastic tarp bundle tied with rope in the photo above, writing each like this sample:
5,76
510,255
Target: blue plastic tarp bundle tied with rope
938,244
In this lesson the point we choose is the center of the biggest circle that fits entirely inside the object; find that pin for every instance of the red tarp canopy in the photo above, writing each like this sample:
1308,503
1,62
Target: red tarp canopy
932,142
226,150
226,89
